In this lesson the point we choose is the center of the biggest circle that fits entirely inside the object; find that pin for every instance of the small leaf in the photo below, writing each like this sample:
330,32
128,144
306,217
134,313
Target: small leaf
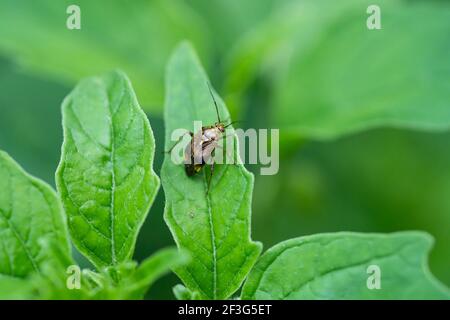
52,282
30,213
12,288
215,227
150,270
105,177
335,266
126,280
182,293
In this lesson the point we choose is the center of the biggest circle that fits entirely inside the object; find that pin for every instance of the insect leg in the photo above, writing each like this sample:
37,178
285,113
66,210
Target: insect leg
179,140
210,175
227,153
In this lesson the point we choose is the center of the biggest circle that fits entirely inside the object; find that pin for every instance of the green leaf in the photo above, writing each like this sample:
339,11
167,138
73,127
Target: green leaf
357,79
105,177
183,293
215,227
335,186
151,269
331,76
30,212
293,29
135,36
52,282
335,266
125,281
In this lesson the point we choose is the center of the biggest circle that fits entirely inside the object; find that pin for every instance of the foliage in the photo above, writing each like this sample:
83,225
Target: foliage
104,41
215,226
107,185
342,96
336,266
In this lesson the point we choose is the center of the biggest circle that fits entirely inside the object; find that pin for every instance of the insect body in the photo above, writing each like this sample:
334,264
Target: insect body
200,150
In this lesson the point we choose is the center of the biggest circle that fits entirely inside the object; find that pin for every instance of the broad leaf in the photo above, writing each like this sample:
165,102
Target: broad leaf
339,266
357,79
336,185
136,36
332,76
105,177
30,213
215,227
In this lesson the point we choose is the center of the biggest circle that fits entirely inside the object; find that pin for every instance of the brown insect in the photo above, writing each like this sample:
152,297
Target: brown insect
201,149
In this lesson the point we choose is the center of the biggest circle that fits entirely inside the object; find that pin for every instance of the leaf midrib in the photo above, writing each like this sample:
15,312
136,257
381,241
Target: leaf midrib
21,241
113,172
213,238
337,269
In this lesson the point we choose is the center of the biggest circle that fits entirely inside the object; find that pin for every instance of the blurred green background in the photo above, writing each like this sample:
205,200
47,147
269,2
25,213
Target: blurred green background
363,115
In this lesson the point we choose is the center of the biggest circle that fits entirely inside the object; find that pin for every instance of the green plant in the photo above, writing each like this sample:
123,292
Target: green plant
215,228
319,56
106,185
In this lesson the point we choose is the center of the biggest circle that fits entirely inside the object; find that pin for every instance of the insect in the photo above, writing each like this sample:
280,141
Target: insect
201,148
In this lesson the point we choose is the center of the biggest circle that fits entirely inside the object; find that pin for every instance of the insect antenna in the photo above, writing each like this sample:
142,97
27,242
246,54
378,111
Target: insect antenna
233,122
215,103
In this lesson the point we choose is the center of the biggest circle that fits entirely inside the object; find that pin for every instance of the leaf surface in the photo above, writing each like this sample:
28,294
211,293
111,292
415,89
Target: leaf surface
30,213
357,79
215,227
336,266
151,269
105,177
332,76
